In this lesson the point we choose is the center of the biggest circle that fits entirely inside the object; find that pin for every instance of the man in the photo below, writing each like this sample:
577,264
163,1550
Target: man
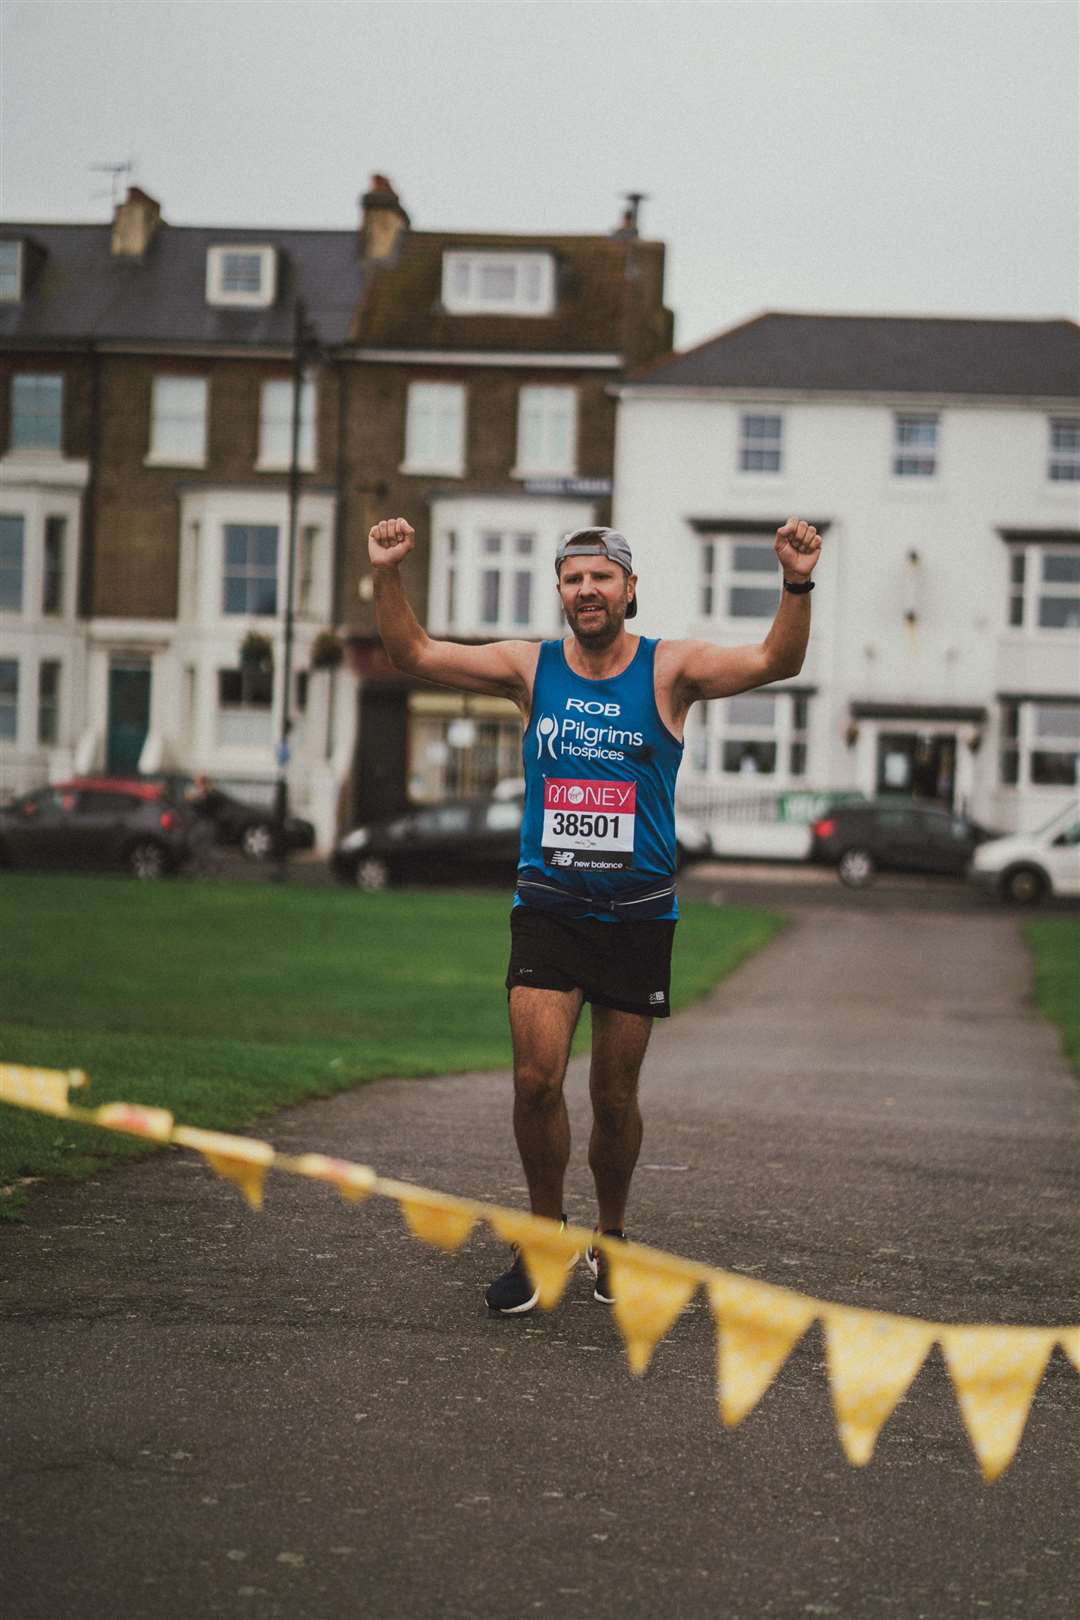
594,913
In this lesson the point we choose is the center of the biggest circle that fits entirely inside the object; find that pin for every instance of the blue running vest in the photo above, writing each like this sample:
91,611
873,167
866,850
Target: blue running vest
600,769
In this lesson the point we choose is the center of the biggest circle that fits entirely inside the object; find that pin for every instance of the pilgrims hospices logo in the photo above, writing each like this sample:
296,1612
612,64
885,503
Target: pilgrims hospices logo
581,740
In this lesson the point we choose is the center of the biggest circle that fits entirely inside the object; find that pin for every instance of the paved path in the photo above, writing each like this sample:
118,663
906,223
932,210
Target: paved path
308,1415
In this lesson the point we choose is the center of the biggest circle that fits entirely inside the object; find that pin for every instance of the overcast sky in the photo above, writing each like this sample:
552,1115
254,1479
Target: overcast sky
863,157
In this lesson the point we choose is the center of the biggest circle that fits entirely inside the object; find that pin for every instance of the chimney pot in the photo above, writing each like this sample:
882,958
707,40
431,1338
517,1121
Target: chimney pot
383,221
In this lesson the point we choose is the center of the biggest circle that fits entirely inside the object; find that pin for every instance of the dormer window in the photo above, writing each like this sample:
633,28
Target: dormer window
498,283
11,272
241,276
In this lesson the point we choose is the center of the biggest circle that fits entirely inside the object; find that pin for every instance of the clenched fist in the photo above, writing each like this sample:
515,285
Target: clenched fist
390,542
798,547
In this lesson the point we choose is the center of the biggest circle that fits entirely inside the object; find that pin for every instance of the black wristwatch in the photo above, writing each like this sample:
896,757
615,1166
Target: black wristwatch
799,590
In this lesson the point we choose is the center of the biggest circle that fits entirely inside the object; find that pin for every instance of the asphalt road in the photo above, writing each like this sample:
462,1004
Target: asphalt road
308,1414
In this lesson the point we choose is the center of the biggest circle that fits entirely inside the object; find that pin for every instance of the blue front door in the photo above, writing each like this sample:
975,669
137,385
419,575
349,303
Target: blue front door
129,714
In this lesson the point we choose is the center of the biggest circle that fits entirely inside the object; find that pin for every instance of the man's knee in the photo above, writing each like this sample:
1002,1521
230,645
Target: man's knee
537,1086
614,1102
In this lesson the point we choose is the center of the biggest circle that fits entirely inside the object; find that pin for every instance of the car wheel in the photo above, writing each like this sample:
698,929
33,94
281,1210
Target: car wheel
147,859
372,874
257,841
1024,885
856,868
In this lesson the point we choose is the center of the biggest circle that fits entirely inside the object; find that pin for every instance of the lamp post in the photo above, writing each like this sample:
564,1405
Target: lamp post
305,347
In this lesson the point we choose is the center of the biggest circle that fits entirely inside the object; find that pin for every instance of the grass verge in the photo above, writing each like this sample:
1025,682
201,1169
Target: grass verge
225,1002
1055,947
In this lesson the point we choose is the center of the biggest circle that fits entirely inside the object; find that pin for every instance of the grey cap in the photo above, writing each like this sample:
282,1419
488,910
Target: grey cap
598,543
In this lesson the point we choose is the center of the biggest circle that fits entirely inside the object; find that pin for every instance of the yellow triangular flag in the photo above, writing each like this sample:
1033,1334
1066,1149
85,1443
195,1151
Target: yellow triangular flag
45,1090
1070,1343
648,1298
437,1221
156,1123
243,1160
759,1326
996,1371
548,1249
355,1182
872,1359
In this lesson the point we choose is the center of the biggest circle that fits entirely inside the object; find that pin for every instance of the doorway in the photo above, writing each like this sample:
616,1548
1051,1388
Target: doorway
917,765
129,714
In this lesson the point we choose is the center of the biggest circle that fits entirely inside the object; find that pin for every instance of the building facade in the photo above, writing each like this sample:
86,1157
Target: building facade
146,424
941,460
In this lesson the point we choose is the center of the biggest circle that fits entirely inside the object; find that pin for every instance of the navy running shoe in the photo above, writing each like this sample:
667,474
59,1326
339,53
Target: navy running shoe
597,1262
514,1292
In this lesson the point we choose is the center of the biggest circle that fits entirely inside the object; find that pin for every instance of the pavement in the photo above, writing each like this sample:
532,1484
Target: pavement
307,1414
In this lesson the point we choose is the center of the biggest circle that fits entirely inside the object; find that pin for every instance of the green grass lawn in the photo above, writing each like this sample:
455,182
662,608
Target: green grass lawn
224,1002
1055,947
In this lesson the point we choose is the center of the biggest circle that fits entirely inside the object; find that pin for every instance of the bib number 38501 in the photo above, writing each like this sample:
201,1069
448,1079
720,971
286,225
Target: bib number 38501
589,826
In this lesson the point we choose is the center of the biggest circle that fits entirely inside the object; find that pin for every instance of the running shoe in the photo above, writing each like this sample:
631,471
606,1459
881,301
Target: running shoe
514,1292
597,1262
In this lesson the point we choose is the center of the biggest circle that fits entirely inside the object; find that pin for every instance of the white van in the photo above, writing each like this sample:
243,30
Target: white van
1025,867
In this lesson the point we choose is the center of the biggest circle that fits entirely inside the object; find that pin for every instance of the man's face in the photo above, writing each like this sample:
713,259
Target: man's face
595,593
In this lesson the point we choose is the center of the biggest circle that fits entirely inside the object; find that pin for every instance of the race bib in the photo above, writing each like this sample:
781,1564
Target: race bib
589,826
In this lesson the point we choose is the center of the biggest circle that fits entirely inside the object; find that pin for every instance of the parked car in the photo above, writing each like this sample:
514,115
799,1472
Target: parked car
461,840
1026,867
894,835
97,822
248,826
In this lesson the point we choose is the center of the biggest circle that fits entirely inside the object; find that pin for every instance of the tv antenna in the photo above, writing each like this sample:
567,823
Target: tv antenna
117,171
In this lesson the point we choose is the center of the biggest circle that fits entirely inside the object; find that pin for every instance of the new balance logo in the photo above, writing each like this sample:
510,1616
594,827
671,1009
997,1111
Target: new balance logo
657,999
562,857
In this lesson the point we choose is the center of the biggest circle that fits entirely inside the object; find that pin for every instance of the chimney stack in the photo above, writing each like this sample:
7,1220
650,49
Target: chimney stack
383,221
134,224
627,229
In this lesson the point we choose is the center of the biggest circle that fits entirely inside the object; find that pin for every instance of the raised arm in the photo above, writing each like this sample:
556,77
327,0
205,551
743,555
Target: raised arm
697,670
501,668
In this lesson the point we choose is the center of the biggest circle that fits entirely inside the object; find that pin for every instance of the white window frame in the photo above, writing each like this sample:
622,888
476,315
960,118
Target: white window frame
18,610
1033,737
8,296
245,724
216,291
713,725
441,450
251,572
12,706
534,282
1063,464
1029,591
162,454
515,559
759,444
548,417
275,415
719,576
44,450
914,453
52,707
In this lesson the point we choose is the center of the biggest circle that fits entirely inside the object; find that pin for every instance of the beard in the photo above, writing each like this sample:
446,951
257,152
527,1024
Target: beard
601,629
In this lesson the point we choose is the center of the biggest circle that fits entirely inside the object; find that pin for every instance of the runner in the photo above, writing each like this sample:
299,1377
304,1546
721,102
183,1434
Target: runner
595,908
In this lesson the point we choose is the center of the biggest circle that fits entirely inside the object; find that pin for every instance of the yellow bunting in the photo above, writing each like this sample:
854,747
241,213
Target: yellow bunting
996,1371
45,1090
355,1182
872,1360
156,1123
1070,1343
549,1250
648,1298
243,1160
759,1326
443,1224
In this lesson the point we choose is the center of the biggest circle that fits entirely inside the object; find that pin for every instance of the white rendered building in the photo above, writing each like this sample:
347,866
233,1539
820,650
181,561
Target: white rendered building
941,460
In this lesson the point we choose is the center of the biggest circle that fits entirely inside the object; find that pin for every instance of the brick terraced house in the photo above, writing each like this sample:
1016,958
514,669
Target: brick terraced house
145,444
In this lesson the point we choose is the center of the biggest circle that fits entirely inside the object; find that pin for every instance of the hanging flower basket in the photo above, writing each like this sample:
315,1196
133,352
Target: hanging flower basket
257,651
327,651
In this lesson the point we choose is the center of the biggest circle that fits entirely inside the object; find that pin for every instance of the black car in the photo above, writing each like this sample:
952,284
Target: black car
461,840
248,826
97,822
894,835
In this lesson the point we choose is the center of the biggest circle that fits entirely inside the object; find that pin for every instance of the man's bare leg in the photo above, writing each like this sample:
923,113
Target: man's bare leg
542,1024
619,1040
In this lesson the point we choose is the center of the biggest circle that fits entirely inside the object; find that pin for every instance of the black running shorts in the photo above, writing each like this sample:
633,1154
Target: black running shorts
624,965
